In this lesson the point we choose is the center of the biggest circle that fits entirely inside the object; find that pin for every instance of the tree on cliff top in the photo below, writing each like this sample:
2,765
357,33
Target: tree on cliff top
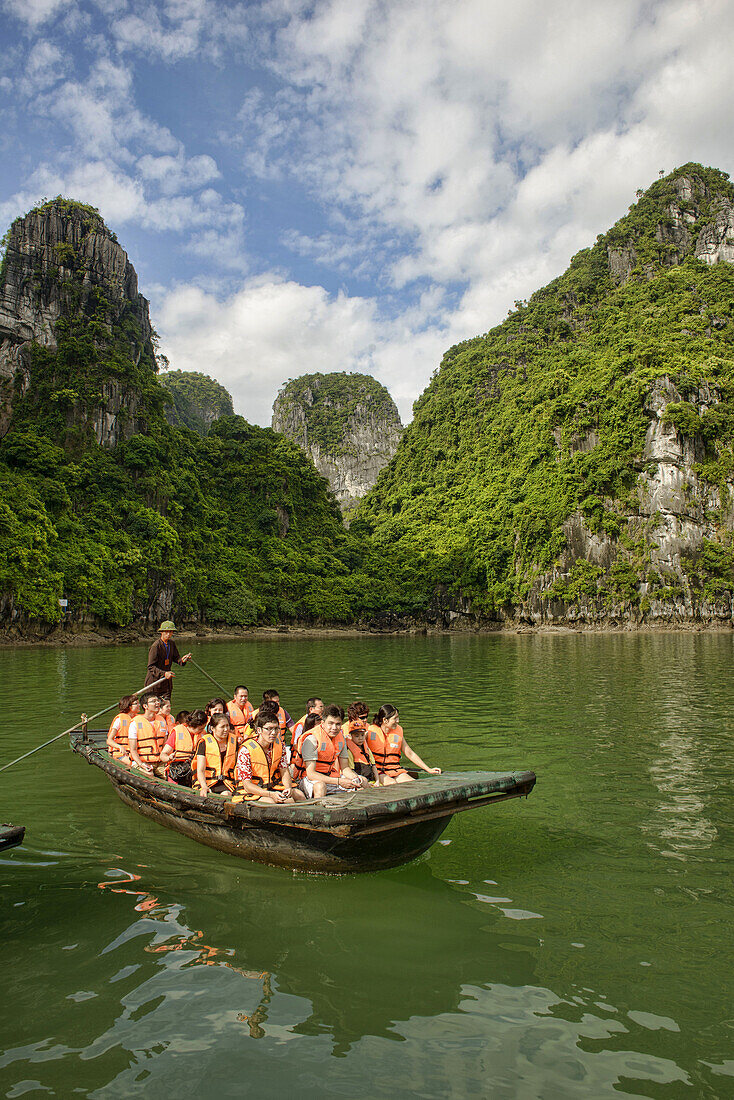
196,400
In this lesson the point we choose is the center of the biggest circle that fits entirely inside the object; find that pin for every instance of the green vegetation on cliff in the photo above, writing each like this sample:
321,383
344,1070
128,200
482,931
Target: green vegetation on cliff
544,416
234,528
196,400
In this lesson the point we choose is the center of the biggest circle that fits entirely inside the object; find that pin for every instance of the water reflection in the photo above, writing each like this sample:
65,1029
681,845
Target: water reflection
547,949
429,1030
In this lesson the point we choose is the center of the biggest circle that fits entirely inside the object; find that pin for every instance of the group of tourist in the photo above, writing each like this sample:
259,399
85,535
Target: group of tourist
230,748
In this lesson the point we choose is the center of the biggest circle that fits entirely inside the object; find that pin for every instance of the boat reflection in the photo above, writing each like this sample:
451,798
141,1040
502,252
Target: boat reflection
318,941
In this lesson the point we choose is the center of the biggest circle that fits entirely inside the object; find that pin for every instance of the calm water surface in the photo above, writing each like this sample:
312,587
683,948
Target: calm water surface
577,944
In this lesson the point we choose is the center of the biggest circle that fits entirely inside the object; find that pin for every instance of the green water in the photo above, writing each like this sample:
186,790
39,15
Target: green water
577,944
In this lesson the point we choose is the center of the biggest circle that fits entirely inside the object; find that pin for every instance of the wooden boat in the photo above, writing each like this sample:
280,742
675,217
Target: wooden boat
369,830
10,836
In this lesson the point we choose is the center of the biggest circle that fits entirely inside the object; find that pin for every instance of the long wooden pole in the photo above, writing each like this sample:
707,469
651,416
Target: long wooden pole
215,682
82,721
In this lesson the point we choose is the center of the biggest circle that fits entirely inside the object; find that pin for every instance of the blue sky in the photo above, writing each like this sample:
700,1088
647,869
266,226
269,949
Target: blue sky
353,184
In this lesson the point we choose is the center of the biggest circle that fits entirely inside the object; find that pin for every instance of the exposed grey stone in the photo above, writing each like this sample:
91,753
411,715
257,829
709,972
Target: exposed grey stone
363,444
53,253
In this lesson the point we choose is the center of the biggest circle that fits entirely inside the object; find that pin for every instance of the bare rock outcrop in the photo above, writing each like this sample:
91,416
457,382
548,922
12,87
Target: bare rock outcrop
347,423
62,266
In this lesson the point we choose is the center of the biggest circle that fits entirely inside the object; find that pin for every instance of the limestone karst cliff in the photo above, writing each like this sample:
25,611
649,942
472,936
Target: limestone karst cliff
124,517
575,465
349,425
75,335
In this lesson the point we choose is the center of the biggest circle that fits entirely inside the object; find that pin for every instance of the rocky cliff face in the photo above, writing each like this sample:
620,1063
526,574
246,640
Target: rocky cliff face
677,516
349,425
696,222
65,279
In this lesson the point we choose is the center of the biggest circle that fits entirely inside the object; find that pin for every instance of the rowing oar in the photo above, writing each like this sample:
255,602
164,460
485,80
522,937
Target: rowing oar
215,682
81,722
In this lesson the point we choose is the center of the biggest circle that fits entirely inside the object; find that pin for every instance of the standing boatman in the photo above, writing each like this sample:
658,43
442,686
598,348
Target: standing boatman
161,656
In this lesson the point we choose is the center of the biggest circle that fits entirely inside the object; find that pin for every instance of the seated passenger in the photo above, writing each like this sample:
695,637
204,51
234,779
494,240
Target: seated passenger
325,758
178,752
165,719
117,736
361,759
357,717
216,756
144,738
261,772
313,706
386,740
298,768
215,706
284,719
240,711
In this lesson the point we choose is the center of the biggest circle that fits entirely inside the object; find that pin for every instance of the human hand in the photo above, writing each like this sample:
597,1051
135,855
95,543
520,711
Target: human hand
434,771
168,675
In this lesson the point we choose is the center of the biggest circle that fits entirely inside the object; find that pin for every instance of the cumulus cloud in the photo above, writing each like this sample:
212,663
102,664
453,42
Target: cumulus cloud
101,114
272,329
178,29
491,142
124,161
456,152
174,174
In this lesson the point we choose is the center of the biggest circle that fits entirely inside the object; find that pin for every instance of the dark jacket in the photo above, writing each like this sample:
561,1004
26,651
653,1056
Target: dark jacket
161,657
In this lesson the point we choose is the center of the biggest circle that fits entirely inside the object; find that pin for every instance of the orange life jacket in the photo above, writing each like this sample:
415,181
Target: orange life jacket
216,768
328,752
266,774
148,738
184,747
358,754
298,768
386,748
166,723
238,717
119,739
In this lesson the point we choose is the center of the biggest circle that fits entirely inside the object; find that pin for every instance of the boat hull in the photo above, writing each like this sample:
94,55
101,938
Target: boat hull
11,836
369,830
317,851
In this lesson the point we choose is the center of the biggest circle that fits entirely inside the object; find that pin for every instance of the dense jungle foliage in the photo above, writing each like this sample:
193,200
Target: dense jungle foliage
329,401
196,400
234,528
545,416
541,418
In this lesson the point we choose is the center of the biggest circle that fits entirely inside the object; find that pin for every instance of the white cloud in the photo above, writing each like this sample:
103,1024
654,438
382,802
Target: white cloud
44,66
267,332
122,199
492,141
101,114
175,29
36,12
271,330
119,198
174,174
